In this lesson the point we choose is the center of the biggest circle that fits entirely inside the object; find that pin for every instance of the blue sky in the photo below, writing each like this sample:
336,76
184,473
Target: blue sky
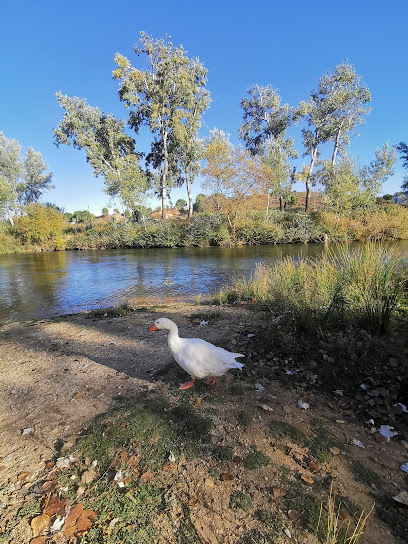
47,47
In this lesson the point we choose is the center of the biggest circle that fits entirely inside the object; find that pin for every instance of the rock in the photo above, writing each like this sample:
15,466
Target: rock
208,483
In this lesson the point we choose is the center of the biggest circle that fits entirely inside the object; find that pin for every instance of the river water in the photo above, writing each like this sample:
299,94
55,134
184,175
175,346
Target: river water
39,285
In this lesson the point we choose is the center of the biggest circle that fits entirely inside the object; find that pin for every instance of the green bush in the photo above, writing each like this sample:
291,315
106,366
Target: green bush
38,225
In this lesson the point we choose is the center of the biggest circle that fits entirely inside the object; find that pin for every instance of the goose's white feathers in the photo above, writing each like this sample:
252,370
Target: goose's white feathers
198,357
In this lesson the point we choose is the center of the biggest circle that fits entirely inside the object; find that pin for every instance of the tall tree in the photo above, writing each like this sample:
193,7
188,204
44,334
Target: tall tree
264,118
349,187
332,112
161,97
232,174
263,130
22,178
108,149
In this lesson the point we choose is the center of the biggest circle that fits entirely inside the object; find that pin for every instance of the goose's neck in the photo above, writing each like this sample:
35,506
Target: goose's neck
173,335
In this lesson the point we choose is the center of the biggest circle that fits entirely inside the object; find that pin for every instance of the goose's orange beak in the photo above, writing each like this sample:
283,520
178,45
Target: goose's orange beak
154,328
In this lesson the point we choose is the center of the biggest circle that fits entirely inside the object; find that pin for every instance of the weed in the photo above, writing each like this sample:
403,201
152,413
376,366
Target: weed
322,441
240,499
236,389
193,424
135,517
244,419
187,533
223,453
366,475
256,459
112,311
281,430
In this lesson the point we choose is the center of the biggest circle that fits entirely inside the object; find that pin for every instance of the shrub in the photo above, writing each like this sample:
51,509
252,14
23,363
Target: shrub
38,225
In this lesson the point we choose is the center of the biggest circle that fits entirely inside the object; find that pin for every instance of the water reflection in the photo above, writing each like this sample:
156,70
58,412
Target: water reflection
37,285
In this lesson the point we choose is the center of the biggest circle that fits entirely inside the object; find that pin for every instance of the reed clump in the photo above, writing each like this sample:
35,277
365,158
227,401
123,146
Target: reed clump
361,286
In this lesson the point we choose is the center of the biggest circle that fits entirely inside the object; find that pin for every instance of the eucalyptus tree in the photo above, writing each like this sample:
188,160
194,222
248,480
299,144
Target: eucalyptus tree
349,187
190,147
23,179
277,156
108,149
162,98
263,130
332,113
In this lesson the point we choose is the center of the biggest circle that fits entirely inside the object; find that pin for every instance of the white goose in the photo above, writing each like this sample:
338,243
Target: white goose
196,356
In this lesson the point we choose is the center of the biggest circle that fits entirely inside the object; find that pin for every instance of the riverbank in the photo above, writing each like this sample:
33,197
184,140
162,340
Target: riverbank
258,464
385,222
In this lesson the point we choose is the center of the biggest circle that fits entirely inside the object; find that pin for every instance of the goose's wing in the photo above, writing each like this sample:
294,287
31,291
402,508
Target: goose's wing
205,359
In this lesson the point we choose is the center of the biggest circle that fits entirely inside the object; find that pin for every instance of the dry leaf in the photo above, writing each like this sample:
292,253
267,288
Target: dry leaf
39,540
84,522
334,451
225,477
403,511
23,475
314,465
48,486
39,523
55,506
293,515
237,459
49,465
123,456
147,476
70,523
166,466
123,425
192,500
79,521
133,460
198,402
278,492
307,478
381,439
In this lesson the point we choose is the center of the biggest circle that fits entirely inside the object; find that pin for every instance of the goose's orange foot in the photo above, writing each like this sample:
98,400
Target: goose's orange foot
210,381
187,385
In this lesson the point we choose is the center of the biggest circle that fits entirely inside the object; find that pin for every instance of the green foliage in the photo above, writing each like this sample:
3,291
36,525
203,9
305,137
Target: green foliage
39,225
281,429
181,203
360,287
223,453
256,459
22,178
245,419
105,211
241,500
81,216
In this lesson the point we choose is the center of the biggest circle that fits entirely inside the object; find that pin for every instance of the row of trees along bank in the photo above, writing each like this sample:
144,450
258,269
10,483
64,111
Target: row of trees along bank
168,99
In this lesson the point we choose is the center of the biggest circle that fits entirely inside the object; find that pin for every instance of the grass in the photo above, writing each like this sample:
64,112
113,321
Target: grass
245,419
256,459
113,311
241,500
366,475
360,287
281,430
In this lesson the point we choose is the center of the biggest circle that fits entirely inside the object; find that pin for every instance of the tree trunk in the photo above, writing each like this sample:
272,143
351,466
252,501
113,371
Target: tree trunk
164,178
267,206
309,175
190,198
164,190
281,207
336,148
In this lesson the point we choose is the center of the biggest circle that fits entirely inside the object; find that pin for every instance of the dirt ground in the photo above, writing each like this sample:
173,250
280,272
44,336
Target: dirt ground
57,375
